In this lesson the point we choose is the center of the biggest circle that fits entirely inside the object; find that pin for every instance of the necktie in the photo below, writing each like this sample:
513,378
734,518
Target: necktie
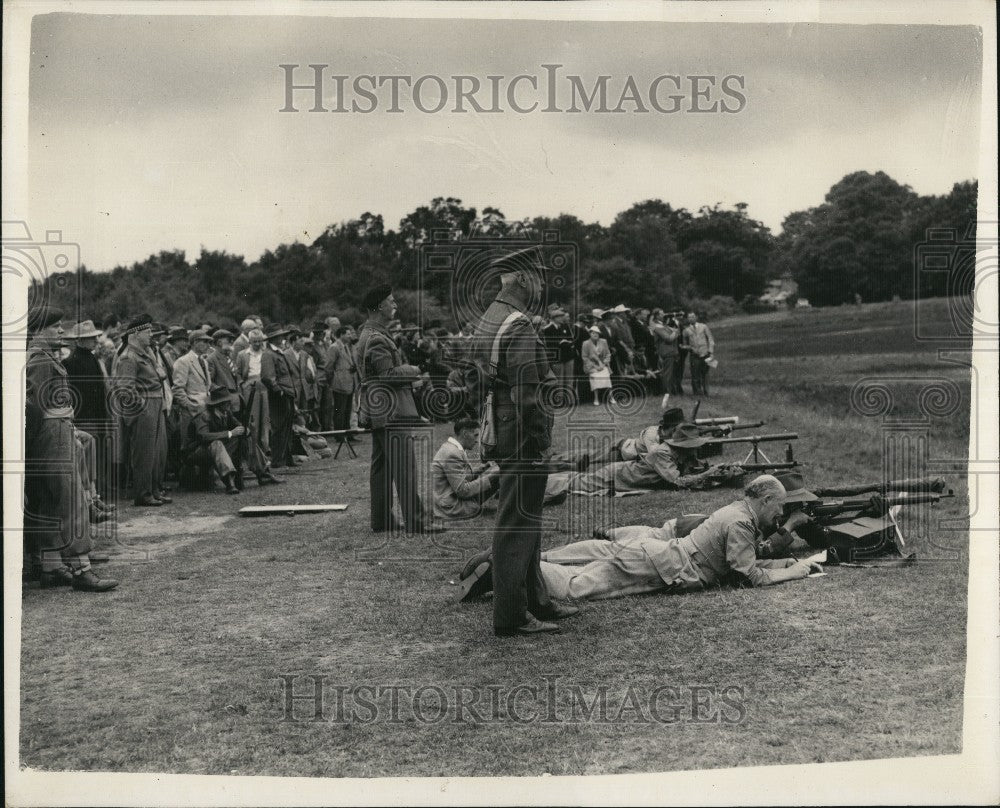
204,367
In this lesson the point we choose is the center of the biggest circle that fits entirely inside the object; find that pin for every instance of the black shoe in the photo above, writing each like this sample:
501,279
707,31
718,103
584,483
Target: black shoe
88,582
477,583
148,502
602,534
104,506
269,479
97,515
533,626
583,464
557,611
164,498
475,561
52,578
230,481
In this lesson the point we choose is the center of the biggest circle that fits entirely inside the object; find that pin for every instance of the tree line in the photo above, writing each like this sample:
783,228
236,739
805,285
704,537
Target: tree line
860,243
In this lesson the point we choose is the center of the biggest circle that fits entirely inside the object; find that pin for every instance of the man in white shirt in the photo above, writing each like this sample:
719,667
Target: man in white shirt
460,490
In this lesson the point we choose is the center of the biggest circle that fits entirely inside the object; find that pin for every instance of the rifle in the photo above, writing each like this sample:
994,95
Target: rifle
720,421
825,509
724,430
756,460
918,485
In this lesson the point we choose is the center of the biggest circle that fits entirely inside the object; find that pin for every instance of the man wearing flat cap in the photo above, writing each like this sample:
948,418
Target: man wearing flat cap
139,393
513,368
51,452
388,409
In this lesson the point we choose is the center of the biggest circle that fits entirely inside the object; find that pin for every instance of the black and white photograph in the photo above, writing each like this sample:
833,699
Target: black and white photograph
500,403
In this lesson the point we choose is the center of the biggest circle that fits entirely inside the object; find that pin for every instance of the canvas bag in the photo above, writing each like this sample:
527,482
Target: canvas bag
487,425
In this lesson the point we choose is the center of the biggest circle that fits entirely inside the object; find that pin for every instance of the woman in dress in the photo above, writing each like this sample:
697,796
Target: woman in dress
597,363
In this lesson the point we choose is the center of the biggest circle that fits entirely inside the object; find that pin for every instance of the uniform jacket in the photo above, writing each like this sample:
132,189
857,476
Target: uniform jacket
136,377
275,374
191,383
458,491
339,368
523,428
295,369
386,380
87,377
47,385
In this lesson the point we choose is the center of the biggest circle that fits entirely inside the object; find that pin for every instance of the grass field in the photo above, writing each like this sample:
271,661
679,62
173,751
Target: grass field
179,669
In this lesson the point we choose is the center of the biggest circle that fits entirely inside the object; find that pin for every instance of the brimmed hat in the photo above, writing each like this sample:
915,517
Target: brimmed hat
158,329
686,436
526,258
594,330
672,416
43,316
795,487
597,312
621,308
198,334
177,332
275,330
83,330
221,333
219,395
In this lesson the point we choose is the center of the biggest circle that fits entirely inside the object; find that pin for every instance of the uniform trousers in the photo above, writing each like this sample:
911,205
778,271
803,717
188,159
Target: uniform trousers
518,587
342,403
393,468
145,435
58,517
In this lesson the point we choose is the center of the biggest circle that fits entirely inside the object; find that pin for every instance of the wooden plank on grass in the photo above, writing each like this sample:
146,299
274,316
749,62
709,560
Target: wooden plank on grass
288,510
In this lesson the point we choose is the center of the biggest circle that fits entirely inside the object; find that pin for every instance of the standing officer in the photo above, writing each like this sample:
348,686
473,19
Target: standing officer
276,376
139,386
52,454
387,407
523,432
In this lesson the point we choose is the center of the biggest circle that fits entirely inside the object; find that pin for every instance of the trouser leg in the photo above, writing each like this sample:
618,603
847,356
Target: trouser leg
518,587
403,473
629,572
144,450
580,552
281,429
67,542
221,459
379,483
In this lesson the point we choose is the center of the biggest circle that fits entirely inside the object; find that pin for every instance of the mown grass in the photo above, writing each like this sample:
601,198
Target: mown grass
178,670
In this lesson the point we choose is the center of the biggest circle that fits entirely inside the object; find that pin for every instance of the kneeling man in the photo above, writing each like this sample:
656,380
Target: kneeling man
459,489
721,550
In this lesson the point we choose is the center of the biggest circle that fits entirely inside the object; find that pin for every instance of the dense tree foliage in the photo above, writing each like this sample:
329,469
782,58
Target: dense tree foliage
869,239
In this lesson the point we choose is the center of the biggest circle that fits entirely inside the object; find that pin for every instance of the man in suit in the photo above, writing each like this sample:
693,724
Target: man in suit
276,376
558,335
88,378
341,376
222,370
192,382
388,409
460,490
523,432
60,526
139,386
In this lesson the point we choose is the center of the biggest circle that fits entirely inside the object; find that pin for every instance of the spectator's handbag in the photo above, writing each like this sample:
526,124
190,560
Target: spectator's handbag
487,422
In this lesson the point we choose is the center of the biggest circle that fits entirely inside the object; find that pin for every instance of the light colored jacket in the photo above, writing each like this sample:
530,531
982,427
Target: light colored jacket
191,383
595,356
339,368
699,339
458,492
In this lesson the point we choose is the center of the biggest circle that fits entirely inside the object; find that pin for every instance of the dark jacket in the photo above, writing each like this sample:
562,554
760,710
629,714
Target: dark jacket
275,374
223,375
89,383
386,380
523,427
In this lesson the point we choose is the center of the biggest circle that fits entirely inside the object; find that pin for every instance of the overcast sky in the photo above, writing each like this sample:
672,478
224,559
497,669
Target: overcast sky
152,133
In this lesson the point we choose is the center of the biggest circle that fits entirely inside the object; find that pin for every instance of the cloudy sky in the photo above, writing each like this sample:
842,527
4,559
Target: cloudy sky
151,133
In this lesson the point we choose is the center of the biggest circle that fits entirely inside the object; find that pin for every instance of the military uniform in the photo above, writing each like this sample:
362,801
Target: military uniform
523,433
140,398
61,527
388,408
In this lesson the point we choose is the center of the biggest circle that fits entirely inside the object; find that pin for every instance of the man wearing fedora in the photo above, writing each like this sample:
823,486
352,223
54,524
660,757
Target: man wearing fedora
217,439
88,378
139,388
719,550
514,368
388,409
671,463
276,376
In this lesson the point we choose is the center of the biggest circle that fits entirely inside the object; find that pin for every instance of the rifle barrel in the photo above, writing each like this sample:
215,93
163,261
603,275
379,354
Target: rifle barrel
756,438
